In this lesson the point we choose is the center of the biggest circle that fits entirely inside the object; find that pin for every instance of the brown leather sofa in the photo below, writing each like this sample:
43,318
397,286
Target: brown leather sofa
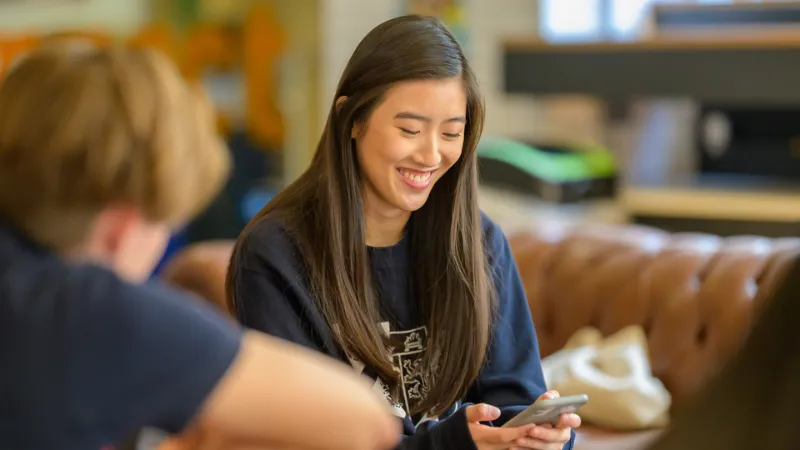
695,295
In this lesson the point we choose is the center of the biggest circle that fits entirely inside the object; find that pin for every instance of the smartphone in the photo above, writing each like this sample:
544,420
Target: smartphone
548,411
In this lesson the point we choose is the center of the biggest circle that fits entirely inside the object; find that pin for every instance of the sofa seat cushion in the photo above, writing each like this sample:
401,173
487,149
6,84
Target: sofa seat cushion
593,438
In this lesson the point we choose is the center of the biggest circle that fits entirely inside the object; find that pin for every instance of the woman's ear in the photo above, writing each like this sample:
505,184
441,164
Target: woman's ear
340,101
356,128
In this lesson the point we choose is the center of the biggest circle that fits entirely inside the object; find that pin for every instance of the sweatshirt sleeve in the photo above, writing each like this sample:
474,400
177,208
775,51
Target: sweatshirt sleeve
270,294
512,378
449,434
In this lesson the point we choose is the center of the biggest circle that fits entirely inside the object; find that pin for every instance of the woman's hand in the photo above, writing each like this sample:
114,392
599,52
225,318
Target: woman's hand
548,437
538,437
491,438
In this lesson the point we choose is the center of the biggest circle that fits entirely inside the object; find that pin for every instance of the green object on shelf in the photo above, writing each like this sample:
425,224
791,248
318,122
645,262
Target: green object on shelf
579,163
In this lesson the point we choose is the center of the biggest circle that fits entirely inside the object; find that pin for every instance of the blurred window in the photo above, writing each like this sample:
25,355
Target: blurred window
597,20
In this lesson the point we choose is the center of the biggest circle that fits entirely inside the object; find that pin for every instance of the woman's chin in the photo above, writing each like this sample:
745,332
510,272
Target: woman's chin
408,200
411,204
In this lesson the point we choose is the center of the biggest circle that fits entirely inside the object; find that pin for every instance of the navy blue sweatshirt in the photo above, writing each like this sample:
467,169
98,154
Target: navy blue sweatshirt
273,296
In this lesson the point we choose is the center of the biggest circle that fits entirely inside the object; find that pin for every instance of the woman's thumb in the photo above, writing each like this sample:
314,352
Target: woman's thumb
482,413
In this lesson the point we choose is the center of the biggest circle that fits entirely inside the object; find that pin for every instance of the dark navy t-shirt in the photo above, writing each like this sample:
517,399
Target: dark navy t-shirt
86,358
273,295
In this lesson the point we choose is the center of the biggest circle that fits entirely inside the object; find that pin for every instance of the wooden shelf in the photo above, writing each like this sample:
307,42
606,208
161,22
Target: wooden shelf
727,69
743,198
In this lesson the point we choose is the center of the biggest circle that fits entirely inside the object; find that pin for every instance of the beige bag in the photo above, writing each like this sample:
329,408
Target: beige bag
615,373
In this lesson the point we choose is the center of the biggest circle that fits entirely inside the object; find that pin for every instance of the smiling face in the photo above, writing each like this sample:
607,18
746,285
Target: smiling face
409,141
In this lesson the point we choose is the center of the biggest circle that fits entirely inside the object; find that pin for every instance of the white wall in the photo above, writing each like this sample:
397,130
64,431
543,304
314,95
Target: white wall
344,23
520,116
300,101
117,16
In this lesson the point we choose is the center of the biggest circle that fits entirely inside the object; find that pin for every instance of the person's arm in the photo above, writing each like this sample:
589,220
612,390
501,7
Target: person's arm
172,362
309,401
512,377
271,293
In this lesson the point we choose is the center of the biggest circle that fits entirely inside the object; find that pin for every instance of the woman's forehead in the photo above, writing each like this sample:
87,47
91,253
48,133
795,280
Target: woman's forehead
440,99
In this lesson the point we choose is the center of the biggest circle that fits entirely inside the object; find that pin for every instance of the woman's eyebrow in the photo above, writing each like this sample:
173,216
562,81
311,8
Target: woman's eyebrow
415,116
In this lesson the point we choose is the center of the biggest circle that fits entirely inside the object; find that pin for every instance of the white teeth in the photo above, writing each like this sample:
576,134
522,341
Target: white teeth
416,177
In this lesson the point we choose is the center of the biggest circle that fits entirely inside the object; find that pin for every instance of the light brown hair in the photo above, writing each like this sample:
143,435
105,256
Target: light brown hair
324,211
84,127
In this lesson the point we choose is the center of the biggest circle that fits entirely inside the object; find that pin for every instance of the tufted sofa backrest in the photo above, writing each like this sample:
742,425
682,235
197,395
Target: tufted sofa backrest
694,295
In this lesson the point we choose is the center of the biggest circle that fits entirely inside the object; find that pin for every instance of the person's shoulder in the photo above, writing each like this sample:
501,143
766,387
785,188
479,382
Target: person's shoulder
95,283
264,235
491,230
494,239
153,321
268,229
104,295
48,282
267,242
79,301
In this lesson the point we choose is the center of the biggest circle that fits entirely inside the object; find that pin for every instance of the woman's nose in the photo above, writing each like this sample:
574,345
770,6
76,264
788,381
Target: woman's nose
429,155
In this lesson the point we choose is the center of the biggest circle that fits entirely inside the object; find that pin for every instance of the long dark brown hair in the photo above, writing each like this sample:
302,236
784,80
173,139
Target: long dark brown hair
324,212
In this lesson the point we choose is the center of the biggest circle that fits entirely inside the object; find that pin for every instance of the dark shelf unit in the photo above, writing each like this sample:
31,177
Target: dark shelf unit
728,71
733,16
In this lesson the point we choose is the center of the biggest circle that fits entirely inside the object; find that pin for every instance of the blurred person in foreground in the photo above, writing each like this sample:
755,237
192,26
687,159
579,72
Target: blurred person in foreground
101,152
754,402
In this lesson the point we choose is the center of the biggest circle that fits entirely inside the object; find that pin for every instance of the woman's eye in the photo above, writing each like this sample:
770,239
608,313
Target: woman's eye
452,135
409,132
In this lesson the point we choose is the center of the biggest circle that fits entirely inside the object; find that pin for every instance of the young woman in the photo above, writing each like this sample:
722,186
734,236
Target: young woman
101,151
378,253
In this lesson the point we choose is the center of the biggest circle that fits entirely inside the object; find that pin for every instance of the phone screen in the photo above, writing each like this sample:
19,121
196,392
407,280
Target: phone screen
548,411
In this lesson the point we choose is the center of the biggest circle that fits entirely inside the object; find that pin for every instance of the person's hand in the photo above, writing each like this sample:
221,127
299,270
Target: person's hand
491,438
546,436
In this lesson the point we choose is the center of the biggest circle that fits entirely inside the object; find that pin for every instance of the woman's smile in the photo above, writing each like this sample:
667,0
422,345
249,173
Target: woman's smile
416,179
